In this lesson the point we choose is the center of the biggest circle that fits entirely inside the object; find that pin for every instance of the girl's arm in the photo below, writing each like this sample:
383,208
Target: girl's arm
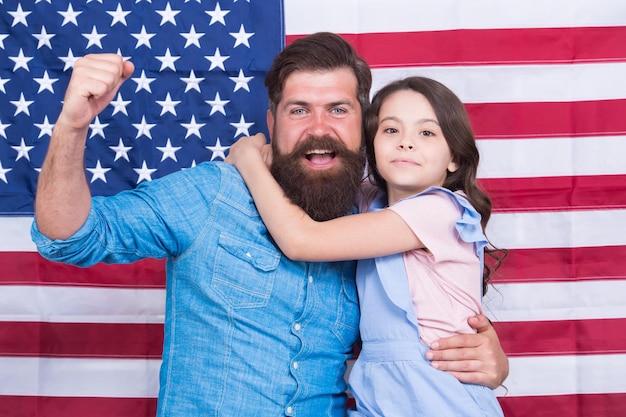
358,236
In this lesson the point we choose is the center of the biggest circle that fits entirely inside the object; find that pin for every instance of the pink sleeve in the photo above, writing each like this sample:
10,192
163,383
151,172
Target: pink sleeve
432,217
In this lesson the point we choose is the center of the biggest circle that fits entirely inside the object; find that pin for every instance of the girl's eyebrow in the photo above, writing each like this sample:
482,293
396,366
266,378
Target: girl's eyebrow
420,121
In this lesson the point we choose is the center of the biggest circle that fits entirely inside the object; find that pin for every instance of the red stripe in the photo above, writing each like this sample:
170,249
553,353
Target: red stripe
538,406
521,265
562,264
31,406
29,268
562,337
556,193
102,340
490,46
581,405
548,119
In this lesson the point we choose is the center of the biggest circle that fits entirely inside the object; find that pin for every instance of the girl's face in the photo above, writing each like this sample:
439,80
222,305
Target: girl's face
411,152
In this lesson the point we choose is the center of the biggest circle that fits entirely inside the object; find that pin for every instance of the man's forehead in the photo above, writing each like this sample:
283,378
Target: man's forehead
337,85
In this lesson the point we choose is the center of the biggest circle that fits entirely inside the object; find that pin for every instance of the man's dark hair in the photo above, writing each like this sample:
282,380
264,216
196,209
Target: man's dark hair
322,51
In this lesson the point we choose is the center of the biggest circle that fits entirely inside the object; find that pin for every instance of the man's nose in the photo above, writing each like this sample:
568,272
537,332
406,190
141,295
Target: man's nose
320,125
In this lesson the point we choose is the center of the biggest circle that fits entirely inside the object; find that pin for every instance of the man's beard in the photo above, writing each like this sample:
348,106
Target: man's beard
324,194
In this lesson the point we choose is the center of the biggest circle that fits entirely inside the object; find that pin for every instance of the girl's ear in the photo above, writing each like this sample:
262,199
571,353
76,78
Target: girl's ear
453,166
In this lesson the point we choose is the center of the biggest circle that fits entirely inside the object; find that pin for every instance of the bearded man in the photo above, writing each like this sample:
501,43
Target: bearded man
247,331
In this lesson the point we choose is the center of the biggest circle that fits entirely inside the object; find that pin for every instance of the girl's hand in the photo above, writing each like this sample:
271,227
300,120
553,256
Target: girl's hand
249,150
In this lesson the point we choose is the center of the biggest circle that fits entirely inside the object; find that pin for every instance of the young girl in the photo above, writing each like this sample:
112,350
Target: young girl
421,247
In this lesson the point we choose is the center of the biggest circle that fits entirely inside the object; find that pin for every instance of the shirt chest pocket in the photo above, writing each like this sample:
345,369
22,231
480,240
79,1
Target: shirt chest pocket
244,272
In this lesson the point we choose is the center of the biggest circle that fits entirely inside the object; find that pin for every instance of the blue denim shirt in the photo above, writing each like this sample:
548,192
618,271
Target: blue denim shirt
247,331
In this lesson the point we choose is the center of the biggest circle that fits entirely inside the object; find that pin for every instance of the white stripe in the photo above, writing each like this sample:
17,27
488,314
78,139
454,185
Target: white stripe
81,305
553,229
520,83
504,302
57,377
15,234
583,300
552,157
562,375
558,229
366,16
64,377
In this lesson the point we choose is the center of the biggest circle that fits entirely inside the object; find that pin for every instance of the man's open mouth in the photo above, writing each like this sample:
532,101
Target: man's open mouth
320,157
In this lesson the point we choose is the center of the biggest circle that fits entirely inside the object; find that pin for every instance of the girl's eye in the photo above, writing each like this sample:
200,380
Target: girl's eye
427,133
390,130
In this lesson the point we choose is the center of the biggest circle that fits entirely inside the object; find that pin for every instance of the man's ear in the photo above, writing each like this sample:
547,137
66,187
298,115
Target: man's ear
270,124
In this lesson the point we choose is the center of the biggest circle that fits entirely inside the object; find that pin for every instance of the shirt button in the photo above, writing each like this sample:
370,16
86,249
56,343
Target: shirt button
289,410
310,279
297,326
295,365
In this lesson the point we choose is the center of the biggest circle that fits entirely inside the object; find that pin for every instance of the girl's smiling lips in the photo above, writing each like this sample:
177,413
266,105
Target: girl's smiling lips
403,161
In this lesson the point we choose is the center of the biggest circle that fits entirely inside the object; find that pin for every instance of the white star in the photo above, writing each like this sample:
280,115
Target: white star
121,151
241,37
37,1
46,82
94,38
99,1
143,83
21,61
3,129
119,105
218,151
21,105
144,172
217,15
143,38
2,83
169,151
69,16
193,164
98,172
97,128
45,128
192,82
168,105
19,16
119,15
217,104
168,15
22,150
192,37
217,60
242,127
143,128
119,52
241,81
2,38
3,173
192,127
44,38
69,60
167,60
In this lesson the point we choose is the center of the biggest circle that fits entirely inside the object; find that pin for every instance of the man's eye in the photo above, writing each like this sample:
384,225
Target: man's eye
337,110
297,111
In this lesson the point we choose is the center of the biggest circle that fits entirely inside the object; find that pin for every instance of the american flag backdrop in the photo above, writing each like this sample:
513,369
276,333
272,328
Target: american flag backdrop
545,86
